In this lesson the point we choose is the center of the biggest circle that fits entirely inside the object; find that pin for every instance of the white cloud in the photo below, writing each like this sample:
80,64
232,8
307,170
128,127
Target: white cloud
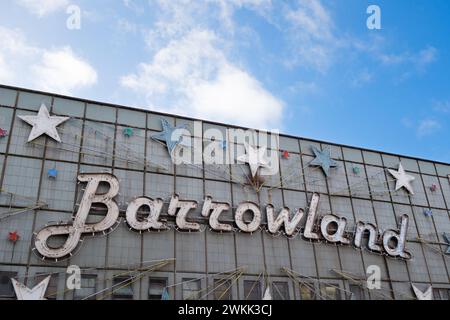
391,59
425,57
58,69
238,98
442,106
189,71
419,59
174,18
424,127
14,42
410,63
407,122
311,35
427,127
126,26
303,87
361,78
192,76
5,71
187,60
62,71
312,17
227,8
135,6
43,7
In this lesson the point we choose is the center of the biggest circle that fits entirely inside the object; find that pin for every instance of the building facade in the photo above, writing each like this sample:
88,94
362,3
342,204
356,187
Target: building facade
41,187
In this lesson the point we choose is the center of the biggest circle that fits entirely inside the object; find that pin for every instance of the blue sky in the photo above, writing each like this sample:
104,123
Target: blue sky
309,68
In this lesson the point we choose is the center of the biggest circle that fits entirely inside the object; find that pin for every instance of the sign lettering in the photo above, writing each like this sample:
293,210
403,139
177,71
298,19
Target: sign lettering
330,227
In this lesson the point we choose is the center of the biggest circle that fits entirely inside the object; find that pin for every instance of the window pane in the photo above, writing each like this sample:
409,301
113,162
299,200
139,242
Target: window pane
252,290
330,292
280,290
436,294
191,289
88,287
156,288
123,288
6,287
52,289
357,292
440,294
222,289
445,294
307,291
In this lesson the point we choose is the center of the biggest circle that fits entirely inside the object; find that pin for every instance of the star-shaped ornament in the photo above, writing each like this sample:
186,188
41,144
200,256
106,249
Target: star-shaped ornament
128,132
52,173
427,295
428,212
255,157
13,236
171,136
44,123
403,179
323,159
3,133
37,293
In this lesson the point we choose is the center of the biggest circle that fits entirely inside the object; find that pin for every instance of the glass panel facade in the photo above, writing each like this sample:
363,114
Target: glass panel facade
122,288
307,291
222,289
330,292
6,287
191,289
156,287
88,287
39,188
280,290
252,290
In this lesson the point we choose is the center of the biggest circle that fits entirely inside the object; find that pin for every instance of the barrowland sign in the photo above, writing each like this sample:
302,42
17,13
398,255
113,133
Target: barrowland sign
185,148
330,227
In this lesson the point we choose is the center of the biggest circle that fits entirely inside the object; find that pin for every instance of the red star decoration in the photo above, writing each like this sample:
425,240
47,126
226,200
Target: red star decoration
285,154
3,133
13,236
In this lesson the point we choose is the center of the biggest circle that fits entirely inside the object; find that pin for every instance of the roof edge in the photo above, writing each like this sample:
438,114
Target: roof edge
108,104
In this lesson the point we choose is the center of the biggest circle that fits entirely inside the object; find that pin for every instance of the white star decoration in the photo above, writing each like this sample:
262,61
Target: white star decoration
37,293
43,123
255,157
403,179
427,295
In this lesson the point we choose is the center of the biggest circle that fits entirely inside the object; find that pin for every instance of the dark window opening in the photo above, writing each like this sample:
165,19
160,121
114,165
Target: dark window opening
88,287
280,290
191,289
156,288
252,290
6,287
307,291
222,289
122,288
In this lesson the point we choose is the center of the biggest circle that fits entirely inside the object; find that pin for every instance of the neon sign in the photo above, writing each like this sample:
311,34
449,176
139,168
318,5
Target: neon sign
330,227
